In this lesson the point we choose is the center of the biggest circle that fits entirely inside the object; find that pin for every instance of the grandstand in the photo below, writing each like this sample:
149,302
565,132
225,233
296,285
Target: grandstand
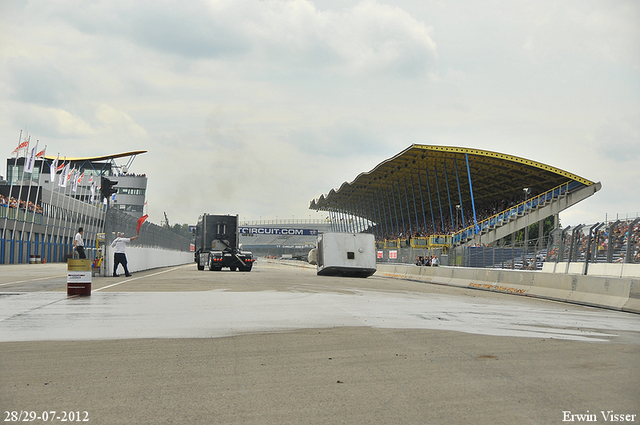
439,197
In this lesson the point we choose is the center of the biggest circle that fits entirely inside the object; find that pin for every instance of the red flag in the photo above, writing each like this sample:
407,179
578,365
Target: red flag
141,220
21,146
39,154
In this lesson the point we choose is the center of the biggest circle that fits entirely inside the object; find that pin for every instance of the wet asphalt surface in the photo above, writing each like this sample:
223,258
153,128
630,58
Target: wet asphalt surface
282,345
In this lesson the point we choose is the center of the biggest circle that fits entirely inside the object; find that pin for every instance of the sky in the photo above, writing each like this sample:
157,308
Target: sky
257,107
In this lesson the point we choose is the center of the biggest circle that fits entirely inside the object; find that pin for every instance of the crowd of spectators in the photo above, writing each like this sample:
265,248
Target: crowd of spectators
19,204
429,261
609,240
419,230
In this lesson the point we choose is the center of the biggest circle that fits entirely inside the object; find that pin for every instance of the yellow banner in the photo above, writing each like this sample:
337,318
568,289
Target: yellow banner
79,265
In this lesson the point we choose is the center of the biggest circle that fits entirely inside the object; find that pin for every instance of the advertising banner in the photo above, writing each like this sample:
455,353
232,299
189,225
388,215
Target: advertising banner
285,231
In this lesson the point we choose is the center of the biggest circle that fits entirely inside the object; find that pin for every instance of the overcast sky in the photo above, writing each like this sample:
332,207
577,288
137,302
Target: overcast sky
258,107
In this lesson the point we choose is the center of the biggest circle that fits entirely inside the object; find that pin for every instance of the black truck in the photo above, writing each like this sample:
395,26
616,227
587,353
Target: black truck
216,243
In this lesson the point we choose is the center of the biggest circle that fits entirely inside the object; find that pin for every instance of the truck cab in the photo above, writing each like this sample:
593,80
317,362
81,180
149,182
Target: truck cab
216,244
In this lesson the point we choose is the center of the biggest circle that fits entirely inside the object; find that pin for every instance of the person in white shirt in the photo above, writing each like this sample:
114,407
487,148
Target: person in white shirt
78,243
119,257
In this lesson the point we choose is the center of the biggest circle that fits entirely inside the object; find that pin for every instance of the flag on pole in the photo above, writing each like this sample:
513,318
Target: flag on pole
53,168
40,154
65,175
141,220
31,160
75,180
93,191
21,146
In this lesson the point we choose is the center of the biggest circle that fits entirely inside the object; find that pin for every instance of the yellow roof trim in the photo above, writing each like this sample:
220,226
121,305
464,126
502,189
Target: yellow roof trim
96,158
503,156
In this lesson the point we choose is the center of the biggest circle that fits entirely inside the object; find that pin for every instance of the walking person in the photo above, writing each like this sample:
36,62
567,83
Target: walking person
78,244
119,257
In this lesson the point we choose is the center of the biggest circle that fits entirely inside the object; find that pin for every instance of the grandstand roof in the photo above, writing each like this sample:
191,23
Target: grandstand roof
99,158
438,172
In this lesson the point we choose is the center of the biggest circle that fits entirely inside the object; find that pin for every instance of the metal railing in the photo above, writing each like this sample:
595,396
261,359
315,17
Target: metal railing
514,212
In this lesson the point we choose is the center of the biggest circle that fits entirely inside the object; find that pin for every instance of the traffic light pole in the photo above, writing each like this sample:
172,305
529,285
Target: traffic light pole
106,190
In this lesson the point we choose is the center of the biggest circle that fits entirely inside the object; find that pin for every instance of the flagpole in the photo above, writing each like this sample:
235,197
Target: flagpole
83,213
15,223
35,204
74,189
52,177
26,205
66,230
63,175
15,164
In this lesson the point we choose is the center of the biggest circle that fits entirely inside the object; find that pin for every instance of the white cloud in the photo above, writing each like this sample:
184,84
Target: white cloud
269,104
118,123
365,38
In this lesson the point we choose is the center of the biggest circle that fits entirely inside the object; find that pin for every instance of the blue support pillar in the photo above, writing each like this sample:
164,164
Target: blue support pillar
377,228
435,171
395,212
424,216
406,196
404,229
385,222
455,164
473,203
367,207
446,180
415,207
433,219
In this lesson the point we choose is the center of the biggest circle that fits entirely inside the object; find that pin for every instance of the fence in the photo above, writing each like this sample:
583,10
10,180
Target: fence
47,234
27,237
612,242
151,235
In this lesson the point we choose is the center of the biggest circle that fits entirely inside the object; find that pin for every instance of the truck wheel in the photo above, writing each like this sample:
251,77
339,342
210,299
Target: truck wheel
233,268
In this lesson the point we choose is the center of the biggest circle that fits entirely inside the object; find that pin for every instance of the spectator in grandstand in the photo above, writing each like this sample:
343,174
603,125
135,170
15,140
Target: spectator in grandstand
3,201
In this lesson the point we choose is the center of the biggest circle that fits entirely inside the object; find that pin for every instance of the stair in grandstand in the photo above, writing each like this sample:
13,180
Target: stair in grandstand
524,214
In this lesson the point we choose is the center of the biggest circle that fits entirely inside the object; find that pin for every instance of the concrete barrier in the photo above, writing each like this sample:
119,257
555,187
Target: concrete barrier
143,258
607,292
595,269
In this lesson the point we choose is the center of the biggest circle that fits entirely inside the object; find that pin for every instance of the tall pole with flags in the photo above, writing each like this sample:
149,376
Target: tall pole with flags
29,165
66,185
53,169
15,163
15,222
35,207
